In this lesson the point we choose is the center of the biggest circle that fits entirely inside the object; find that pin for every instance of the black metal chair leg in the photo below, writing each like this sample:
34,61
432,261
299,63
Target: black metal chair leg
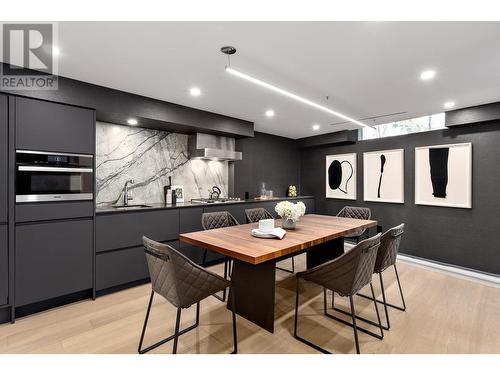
353,314
376,309
324,300
233,312
384,301
226,272
289,271
161,342
204,258
176,334
400,289
139,349
295,324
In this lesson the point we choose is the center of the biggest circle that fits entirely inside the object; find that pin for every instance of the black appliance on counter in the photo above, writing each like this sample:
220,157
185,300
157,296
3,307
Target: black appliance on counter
52,176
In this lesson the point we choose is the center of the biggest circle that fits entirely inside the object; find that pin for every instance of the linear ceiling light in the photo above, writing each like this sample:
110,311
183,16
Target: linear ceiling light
299,98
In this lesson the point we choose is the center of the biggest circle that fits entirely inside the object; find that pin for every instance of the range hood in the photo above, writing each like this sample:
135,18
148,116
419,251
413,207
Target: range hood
212,147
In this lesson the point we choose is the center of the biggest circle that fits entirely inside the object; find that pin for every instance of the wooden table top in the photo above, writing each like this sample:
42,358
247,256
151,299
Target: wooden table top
238,243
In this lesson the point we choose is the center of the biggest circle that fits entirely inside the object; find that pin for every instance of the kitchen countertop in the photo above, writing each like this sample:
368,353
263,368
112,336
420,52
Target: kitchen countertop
163,206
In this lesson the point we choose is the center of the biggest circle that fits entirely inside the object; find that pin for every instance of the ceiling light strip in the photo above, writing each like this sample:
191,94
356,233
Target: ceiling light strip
292,95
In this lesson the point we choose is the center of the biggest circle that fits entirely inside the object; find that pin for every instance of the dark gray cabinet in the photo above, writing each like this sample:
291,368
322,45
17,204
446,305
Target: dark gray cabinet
121,230
4,284
190,221
120,267
52,259
4,118
50,126
26,212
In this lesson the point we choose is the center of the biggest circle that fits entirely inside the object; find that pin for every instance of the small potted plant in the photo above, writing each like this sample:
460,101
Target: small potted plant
290,213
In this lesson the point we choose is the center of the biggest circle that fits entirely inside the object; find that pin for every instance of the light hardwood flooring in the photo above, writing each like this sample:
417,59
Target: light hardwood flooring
445,315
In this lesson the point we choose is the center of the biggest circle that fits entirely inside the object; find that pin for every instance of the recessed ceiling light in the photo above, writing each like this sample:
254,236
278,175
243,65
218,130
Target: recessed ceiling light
195,91
270,113
132,121
449,105
316,127
427,75
56,51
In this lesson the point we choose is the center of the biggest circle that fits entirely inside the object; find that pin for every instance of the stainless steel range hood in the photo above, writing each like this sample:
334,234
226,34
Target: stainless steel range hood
212,147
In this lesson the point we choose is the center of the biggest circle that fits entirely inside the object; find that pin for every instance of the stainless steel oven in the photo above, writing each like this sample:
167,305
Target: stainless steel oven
53,176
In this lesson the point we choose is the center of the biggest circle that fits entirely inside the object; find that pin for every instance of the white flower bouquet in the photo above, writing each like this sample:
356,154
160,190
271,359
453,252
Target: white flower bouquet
290,212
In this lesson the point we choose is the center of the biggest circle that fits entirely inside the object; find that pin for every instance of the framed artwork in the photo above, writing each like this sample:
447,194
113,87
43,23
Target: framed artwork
383,176
443,175
179,193
341,176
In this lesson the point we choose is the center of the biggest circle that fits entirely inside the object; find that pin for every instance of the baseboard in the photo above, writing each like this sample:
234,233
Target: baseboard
463,273
456,271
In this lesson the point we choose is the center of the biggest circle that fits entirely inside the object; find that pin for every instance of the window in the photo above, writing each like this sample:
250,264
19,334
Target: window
413,125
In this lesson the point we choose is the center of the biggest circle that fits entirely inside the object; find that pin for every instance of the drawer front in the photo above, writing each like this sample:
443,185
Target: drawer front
49,126
4,266
52,260
52,211
120,267
121,230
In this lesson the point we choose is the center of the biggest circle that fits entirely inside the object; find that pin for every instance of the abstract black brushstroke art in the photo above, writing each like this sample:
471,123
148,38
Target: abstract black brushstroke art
382,163
438,160
335,175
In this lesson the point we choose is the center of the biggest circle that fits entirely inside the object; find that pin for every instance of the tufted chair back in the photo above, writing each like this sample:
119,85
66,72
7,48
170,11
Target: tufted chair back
214,220
255,214
389,247
348,273
363,213
178,279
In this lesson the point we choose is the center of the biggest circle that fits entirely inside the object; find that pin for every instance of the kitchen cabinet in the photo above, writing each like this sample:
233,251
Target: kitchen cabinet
50,126
4,118
52,259
125,229
190,221
40,211
4,274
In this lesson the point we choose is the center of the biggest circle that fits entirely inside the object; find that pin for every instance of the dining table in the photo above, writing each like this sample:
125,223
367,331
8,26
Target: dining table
253,274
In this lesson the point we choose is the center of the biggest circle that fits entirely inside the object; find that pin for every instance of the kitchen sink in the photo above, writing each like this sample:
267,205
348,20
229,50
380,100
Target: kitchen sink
131,206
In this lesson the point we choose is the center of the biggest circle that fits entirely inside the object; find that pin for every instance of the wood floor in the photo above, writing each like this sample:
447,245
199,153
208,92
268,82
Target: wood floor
445,315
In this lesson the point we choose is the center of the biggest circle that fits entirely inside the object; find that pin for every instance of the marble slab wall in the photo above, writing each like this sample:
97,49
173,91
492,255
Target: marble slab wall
149,157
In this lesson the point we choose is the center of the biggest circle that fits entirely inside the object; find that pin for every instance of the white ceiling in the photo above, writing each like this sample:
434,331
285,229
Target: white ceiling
366,68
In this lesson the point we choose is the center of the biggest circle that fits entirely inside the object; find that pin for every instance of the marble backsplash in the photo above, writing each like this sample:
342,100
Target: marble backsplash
149,157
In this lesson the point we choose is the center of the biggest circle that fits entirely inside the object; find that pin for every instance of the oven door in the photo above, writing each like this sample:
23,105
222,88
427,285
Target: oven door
45,183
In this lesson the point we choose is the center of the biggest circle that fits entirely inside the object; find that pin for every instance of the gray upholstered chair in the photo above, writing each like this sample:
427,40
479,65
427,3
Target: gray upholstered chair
183,283
345,275
363,213
253,215
386,257
215,220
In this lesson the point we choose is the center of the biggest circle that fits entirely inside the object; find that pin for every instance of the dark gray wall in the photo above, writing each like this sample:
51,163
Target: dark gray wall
266,158
462,237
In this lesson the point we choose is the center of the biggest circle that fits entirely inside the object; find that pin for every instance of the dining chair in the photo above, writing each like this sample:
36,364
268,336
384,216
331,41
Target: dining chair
363,213
183,283
345,275
215,220
386,257
253,215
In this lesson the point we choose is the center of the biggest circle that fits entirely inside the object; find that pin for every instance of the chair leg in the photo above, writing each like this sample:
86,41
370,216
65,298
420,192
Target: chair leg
204,258
233,312
380,337
295,324
226,272
384,301
289,271
400,289
353,314
376,309
176,334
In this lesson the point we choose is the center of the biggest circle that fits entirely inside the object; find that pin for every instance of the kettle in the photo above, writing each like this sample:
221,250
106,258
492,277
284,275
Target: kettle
214,193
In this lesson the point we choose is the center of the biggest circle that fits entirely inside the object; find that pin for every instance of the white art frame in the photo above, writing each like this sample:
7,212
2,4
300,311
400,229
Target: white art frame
345,163
391,183
179,192
458,186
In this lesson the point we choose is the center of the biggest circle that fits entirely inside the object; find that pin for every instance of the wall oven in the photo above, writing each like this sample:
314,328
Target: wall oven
52,176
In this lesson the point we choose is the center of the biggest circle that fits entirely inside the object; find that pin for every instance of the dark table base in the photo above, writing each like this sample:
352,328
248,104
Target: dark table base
254,285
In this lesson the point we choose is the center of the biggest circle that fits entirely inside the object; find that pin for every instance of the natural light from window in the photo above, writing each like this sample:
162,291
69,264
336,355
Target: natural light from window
413,125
